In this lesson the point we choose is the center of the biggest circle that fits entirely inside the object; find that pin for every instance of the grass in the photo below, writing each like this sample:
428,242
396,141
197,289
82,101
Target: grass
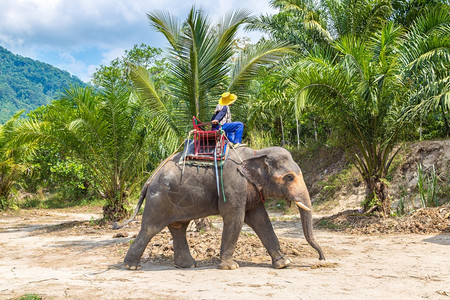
279,205
347,178
54,201
327,224
428,187
30,297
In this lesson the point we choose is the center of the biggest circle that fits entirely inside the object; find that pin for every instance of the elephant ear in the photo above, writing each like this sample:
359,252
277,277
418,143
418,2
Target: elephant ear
256,170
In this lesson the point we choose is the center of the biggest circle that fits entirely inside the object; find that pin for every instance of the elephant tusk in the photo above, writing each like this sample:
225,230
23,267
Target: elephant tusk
302,206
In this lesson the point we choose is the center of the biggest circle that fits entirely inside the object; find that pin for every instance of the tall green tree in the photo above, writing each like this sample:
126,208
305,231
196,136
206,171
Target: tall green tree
105,129
364,89
425,56
203,64
11,161
298,22
359,88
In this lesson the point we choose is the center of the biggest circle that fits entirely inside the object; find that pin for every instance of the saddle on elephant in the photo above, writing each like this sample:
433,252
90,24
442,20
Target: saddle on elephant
207,144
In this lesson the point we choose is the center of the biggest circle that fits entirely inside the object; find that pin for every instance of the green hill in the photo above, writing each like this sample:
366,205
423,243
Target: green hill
26,83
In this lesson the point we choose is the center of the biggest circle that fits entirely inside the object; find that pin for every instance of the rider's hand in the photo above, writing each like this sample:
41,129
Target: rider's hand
215,122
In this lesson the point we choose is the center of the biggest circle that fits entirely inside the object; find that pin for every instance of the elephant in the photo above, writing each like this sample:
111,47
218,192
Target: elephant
178,194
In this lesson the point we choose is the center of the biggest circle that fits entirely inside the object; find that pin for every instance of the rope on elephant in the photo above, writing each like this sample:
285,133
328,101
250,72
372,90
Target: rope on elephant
222,133
232,147
217,172
184,157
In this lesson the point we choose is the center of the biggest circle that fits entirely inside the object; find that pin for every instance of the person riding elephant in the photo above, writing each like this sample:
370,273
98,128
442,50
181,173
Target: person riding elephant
177,194
222,118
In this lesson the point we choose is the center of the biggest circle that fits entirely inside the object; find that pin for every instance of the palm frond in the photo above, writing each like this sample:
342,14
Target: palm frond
252,58
167,24
164,122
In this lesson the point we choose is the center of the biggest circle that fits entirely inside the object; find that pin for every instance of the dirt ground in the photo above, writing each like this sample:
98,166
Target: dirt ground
67,254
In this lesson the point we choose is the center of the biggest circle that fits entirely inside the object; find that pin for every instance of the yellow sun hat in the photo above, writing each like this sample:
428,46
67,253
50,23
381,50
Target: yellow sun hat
227,98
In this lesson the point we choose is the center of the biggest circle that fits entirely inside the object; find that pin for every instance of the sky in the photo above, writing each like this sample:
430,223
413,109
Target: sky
80,35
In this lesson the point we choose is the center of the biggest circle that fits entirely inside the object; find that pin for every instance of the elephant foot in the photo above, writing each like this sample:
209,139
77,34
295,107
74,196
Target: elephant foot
132,265
228,265
281,262
185,263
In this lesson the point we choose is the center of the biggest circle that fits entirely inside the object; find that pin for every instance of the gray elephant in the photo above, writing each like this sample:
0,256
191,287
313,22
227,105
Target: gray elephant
174,198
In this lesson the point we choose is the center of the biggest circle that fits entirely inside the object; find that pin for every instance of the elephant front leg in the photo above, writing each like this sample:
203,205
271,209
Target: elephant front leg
232,225
259,221
183,257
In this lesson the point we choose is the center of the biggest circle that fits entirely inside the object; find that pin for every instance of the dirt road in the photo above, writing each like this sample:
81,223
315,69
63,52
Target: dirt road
84,262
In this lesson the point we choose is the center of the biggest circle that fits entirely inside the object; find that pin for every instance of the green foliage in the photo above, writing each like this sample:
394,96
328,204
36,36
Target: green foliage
337,182
30,297
407,11
357,88
57,200
142,55
11,162
428,186
103,129
329,224
54,171
425,55
27,84
199,64
301,23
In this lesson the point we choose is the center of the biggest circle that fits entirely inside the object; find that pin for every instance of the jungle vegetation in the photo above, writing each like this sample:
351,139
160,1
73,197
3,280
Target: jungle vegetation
362,75
27,84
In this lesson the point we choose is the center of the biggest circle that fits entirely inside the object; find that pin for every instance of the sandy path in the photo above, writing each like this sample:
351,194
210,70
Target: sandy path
88,266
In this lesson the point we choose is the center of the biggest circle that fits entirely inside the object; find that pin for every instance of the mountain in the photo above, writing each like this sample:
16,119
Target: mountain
26,83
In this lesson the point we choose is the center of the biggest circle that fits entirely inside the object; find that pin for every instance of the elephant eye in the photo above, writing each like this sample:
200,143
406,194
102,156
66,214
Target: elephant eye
288,178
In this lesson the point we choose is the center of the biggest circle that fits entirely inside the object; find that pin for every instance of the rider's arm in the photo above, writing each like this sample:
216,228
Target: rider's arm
222,113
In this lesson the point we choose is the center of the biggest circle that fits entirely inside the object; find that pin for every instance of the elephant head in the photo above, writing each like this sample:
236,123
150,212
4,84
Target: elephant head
276,175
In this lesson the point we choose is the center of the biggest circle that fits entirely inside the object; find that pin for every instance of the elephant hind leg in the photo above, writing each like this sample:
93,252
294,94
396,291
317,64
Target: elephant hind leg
137,248
183,257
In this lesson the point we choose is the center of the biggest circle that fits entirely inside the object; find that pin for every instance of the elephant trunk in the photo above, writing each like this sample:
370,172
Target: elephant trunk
306,217
299,194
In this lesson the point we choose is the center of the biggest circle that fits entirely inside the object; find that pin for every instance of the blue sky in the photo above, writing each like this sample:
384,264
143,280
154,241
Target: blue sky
80,35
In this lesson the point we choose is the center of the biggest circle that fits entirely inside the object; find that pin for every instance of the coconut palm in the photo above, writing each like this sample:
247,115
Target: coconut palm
201,67
311,24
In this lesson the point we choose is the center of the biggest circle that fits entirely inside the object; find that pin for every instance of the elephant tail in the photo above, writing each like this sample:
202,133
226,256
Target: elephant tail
136,210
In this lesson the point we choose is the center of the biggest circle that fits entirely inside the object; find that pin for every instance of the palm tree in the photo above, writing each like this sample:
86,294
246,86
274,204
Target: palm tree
106,130
299,22
11,161
426,56
201,67
364,84
358,89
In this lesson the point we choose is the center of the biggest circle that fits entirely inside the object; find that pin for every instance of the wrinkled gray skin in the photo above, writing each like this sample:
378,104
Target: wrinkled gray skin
173,200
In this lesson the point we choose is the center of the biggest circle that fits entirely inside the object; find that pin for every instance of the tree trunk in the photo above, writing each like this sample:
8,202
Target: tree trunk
298,131
377,195
315,130
115,209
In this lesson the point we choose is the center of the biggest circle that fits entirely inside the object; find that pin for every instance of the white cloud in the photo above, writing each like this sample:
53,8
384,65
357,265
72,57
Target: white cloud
35,28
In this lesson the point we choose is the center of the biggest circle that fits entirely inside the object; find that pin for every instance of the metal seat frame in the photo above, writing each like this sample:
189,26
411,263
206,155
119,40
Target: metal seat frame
207,140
